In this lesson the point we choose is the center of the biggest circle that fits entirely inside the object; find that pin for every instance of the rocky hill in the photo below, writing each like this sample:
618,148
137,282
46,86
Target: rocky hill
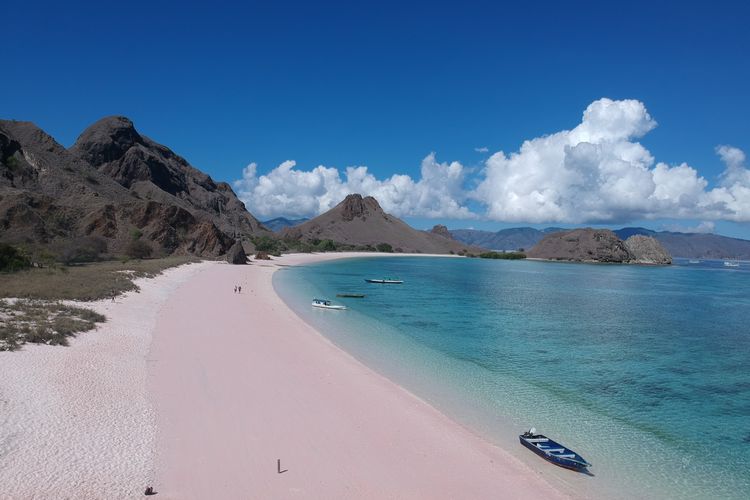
599,245
687,245
646,250
361,221
695,245
115,185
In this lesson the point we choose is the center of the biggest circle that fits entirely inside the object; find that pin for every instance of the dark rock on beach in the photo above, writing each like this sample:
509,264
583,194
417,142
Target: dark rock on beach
236,254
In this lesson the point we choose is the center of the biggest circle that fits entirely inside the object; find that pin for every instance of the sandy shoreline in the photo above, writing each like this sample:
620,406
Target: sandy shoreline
249,383
76,422
199,391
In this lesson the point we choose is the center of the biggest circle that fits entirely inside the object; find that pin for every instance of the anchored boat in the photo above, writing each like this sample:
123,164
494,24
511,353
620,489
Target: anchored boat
386,281
553,451
351,295
327,304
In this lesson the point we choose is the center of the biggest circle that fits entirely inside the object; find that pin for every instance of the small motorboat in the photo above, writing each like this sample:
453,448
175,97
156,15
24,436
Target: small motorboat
732,263
327,304
386,281
553,452
351,295
694,261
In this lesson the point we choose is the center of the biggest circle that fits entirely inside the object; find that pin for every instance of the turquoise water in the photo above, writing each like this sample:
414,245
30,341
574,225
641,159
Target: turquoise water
645,371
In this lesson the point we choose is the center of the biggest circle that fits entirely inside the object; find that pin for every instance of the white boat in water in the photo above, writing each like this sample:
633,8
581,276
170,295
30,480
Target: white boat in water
694,261
327,304
386,281
732,263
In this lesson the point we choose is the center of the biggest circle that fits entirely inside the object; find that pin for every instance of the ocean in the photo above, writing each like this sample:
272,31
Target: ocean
645,371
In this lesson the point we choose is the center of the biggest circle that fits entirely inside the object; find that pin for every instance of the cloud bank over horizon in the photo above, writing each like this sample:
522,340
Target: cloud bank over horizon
596,172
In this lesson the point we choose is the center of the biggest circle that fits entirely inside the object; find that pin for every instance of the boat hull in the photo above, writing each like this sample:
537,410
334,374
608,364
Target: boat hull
385,282
580,465
332,308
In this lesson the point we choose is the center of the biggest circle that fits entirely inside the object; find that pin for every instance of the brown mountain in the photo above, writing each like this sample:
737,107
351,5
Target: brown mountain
599,245
360,221
116,185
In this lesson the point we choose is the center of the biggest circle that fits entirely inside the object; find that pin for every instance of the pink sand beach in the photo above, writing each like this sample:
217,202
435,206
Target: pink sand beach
239,383
203,393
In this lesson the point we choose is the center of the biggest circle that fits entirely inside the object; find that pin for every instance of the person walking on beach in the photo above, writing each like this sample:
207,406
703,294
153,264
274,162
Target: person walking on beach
235,288
239,288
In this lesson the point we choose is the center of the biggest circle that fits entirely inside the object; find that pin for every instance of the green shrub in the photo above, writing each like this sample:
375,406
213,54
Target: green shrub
11,259
327,246
384,247
503,255
268,244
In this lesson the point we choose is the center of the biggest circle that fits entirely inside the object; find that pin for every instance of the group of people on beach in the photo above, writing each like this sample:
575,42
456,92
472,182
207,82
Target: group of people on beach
237,288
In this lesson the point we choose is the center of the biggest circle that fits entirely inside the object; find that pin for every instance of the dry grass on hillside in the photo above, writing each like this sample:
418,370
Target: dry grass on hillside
85,282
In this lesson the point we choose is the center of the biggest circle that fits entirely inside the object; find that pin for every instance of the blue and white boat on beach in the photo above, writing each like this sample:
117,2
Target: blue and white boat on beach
385,281
553,451
327,304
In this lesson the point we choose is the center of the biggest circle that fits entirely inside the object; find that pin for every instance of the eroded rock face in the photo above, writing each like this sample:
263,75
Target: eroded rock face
112,183
236,254
441,230
354,206
581,245
599,245
647,250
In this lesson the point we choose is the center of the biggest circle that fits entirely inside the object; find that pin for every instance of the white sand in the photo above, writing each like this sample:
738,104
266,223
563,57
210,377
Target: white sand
75,422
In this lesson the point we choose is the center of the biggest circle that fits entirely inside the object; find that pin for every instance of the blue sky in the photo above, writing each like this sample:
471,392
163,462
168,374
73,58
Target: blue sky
386,84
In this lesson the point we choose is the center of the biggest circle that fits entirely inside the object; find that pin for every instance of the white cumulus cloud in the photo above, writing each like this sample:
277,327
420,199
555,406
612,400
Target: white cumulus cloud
286,190
598,171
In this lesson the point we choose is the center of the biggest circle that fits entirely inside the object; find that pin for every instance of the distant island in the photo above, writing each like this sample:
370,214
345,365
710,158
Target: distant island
684,245
599,245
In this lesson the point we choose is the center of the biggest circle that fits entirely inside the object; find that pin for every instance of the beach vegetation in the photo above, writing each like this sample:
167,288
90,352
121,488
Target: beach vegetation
12,259
384,247
138,249
91,281
39,321
502,255
327,246
270,245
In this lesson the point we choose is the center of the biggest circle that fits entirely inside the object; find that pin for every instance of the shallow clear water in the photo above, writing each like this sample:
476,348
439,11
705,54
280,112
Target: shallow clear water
645,371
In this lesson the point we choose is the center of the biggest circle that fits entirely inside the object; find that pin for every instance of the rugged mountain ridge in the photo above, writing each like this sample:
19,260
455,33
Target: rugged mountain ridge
686,245
599,245
360,221
116,185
